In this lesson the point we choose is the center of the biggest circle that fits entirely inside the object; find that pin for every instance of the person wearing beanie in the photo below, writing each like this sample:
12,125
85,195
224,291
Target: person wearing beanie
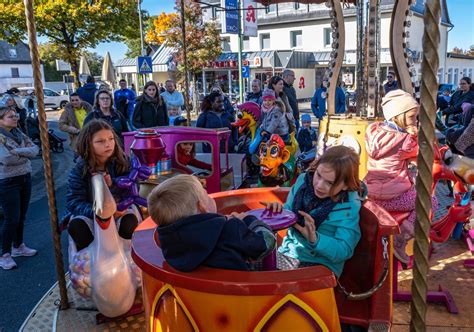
391,145
274,119
307,137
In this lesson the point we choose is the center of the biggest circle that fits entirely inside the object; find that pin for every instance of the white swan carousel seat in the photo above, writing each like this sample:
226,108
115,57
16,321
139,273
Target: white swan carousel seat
104,271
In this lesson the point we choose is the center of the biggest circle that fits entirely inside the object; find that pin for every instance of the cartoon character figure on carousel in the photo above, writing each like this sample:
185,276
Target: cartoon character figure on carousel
277,170
277,164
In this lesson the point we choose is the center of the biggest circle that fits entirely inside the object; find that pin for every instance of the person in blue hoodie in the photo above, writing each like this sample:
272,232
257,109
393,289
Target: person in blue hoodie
307,137
327,198
87,91
192,234
318,102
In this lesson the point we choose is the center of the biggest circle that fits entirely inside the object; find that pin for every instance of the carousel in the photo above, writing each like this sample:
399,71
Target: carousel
120,285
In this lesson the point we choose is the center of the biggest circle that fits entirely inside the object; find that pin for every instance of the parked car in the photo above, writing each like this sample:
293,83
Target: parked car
52,99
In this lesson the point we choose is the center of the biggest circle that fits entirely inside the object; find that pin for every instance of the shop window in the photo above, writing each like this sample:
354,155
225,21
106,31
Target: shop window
246,43
296,38
15,73
225,43
297,5
450,76
271,9
440,75
327,37
265,41
456,76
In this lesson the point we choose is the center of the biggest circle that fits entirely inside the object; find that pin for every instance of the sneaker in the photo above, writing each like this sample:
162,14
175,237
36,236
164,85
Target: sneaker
7,262
23,250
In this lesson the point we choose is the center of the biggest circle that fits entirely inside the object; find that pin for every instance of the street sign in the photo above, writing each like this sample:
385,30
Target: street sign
245,71
230,18
249,16
62,65
144,64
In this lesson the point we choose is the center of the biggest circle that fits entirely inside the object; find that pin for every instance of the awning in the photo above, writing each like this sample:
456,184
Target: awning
162,57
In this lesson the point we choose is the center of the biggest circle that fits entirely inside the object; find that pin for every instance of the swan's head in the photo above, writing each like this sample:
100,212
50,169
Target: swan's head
104,202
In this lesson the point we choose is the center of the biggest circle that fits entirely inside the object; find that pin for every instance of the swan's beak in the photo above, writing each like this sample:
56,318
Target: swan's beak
104,202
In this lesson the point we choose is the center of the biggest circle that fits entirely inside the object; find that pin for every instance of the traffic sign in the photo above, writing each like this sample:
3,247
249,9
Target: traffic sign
245,71
144,64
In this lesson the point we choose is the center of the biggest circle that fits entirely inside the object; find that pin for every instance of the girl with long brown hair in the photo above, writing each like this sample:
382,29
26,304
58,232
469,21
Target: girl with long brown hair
99,153
327,199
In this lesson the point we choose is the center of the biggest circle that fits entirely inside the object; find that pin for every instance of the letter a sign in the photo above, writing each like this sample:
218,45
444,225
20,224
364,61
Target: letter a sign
249,17
144,64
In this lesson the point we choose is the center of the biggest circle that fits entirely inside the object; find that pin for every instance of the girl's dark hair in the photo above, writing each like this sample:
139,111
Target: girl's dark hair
207,102
157,96
86,151
345,163
4,110
466,79
96,100
274,80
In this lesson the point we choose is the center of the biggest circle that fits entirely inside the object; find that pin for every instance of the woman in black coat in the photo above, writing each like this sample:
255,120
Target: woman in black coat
150,109
463,95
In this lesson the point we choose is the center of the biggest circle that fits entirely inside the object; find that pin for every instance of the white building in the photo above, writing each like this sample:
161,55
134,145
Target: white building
287,28
15,66
457,67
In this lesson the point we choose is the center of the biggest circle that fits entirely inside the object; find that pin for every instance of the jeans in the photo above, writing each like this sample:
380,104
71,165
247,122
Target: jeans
15,193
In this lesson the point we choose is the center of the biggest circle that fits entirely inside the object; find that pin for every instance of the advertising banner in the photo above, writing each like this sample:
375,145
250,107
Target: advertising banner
230,17
249,17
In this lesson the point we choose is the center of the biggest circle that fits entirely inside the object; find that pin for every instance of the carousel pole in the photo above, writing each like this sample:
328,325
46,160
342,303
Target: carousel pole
424,180
185,59
48,170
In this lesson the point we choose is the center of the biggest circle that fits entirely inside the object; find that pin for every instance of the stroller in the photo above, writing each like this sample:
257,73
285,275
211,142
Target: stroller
56,143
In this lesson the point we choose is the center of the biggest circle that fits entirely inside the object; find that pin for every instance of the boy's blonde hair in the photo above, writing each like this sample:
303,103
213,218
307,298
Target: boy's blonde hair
175,198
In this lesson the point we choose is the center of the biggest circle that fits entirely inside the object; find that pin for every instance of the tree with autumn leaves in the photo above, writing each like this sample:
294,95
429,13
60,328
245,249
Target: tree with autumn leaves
72,26
203,42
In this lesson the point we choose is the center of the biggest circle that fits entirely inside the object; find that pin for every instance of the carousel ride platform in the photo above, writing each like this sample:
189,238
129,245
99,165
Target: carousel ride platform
446,268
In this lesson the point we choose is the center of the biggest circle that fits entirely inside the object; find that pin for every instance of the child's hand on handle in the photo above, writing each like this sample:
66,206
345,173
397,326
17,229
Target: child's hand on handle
309,229
274,207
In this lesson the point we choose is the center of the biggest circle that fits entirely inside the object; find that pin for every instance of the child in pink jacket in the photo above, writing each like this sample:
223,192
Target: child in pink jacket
391,146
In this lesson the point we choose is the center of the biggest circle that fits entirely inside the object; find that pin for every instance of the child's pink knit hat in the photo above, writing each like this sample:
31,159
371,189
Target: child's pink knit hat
268,94
397,102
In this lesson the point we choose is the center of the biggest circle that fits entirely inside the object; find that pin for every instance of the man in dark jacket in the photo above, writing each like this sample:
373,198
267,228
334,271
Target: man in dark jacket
193,234
87,91
256,94
391,84
290,92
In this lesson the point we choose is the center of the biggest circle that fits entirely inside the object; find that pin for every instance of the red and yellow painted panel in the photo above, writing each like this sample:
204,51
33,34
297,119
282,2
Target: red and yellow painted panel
178,309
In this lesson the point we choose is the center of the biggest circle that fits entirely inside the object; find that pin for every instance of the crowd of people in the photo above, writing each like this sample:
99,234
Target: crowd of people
95,119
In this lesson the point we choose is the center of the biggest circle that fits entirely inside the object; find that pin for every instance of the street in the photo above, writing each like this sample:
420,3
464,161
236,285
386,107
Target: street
24,286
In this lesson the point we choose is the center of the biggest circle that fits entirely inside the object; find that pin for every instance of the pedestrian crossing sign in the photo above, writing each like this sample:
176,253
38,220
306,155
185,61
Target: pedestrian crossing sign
144,64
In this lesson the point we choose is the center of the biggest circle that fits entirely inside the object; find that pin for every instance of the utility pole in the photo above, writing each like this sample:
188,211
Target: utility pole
185,60
142,47
239,56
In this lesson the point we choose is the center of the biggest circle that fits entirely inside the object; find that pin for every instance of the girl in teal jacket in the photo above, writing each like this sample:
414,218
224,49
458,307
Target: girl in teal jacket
328,199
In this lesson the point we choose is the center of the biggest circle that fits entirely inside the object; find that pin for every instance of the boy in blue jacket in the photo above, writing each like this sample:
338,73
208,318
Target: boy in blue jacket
192,234
307,136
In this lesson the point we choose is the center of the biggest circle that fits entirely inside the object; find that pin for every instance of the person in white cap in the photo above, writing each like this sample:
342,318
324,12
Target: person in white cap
391,145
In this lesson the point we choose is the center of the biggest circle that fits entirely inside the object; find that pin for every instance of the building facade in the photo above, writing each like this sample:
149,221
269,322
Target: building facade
292,27
16,69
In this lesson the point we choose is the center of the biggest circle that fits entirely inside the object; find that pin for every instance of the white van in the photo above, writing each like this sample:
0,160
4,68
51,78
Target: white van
52,99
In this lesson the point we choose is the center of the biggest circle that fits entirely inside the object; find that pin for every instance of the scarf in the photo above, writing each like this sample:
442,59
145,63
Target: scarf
267,109
317,208
14,134
152,100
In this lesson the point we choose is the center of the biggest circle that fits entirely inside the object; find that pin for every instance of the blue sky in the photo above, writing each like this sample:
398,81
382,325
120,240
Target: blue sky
461,13
154,7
